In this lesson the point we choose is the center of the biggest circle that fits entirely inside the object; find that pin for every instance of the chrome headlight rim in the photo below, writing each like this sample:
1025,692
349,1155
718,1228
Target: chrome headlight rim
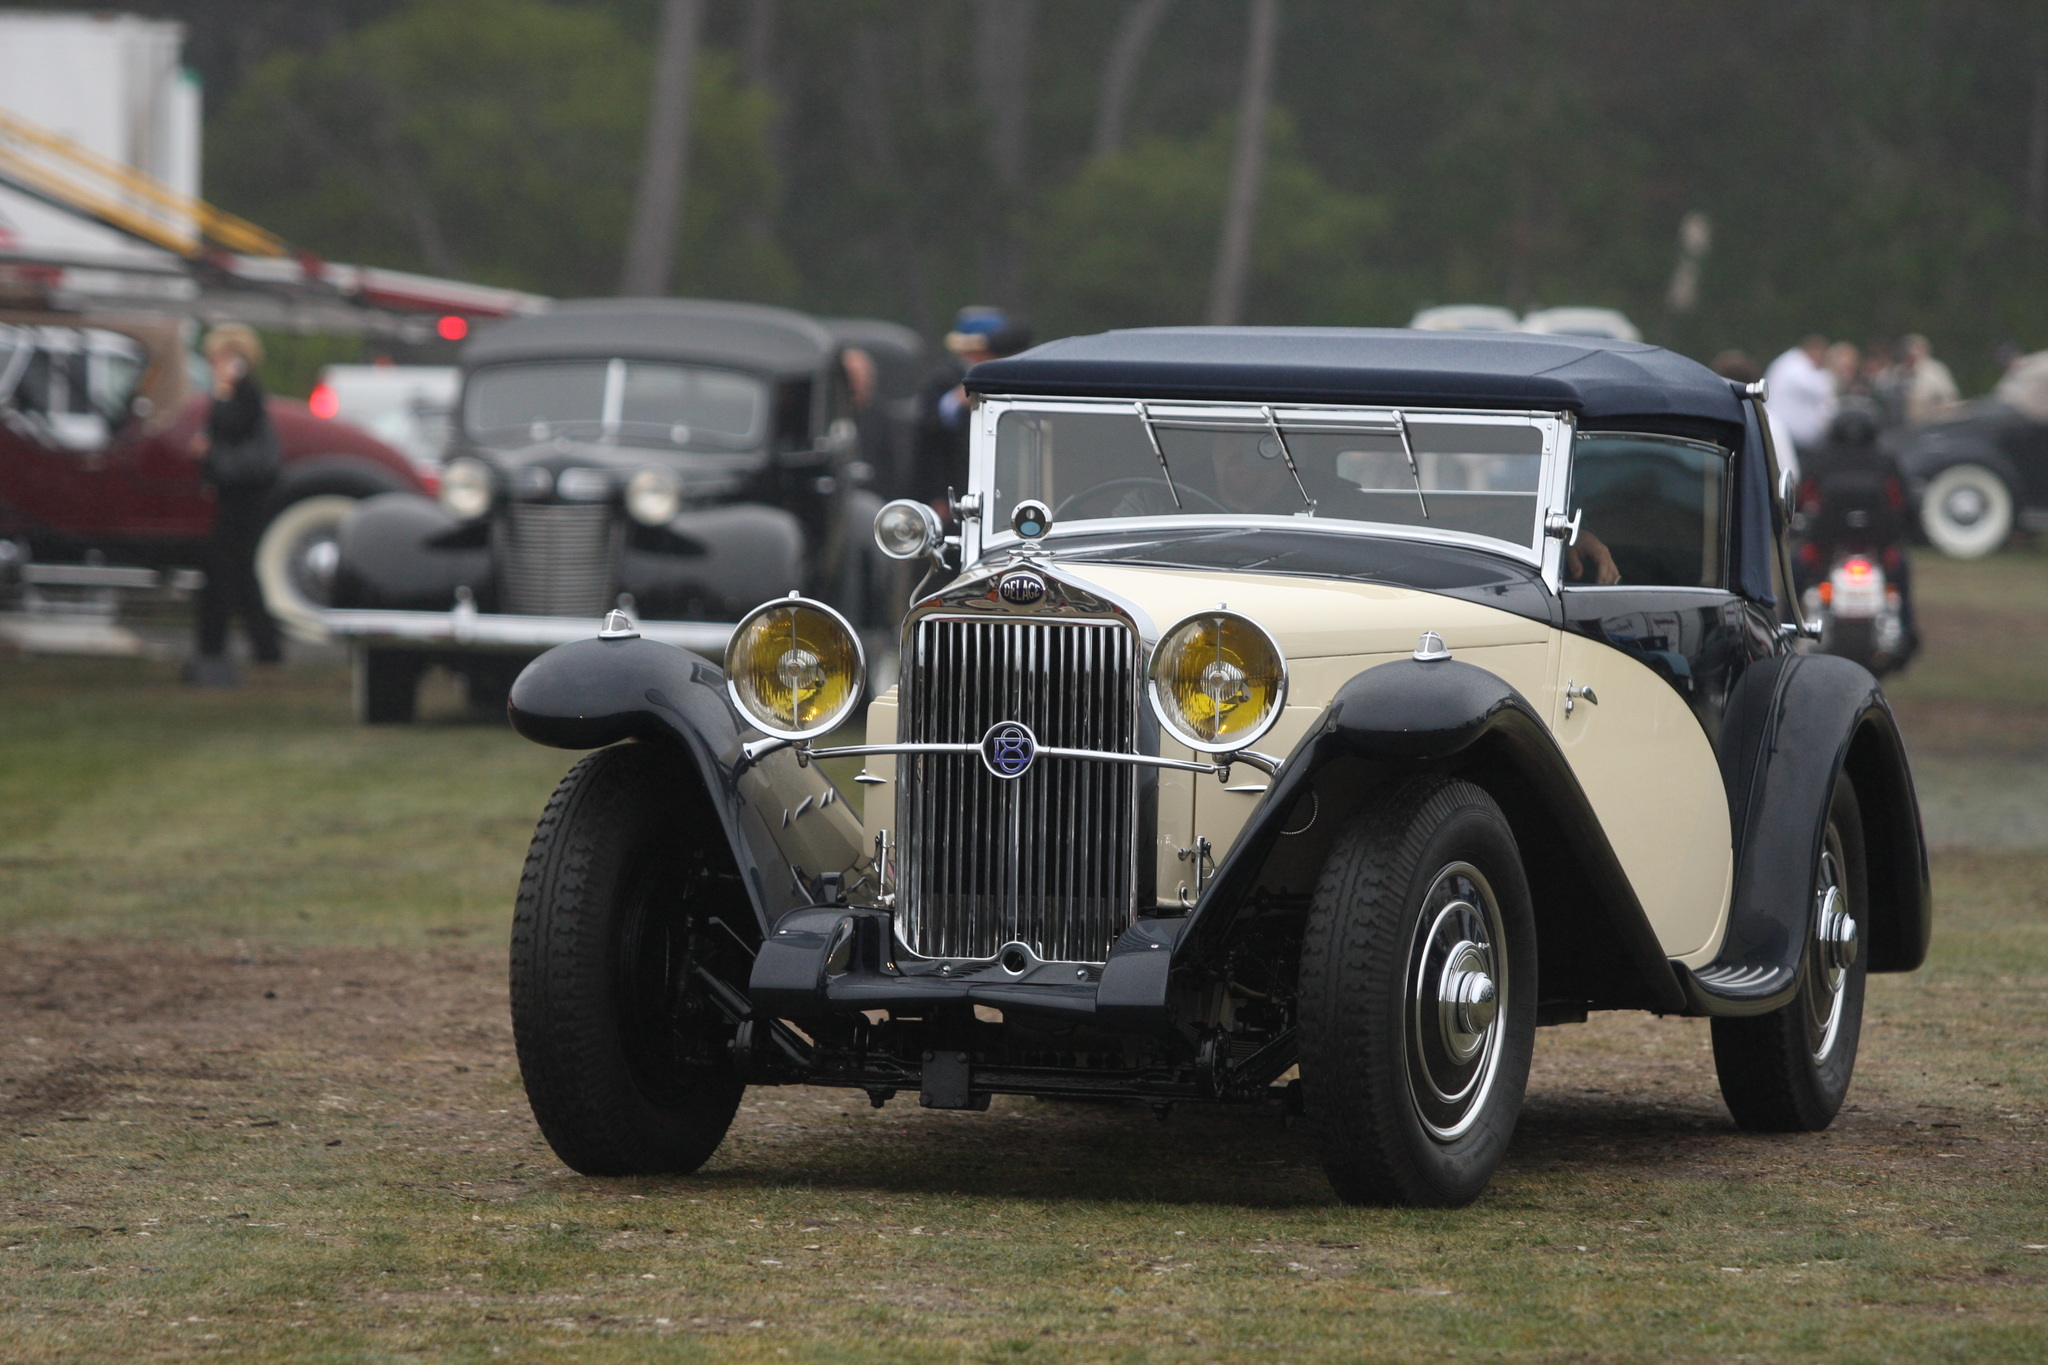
654,495
934,532
1170,721
468,488
769,725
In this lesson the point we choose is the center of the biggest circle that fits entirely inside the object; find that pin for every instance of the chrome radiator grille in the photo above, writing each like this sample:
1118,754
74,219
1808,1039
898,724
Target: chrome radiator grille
557,560
1047,859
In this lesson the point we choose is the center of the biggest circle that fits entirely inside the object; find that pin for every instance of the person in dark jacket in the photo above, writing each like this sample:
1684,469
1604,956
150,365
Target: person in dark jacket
939,460
238,456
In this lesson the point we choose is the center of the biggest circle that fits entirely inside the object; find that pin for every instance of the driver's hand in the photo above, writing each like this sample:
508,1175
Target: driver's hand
1592,553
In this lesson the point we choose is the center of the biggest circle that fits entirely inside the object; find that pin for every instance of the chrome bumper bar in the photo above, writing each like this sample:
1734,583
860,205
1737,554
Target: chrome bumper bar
758,749
466,627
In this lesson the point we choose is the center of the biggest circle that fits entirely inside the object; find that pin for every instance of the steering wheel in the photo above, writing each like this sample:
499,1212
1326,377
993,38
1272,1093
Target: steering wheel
1188,496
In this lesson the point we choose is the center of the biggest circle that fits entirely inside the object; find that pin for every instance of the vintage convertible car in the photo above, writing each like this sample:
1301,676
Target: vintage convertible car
1978,470
681,458
1348,703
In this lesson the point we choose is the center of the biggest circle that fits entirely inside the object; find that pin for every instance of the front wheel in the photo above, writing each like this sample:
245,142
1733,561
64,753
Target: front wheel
296,557
1967,511
625,945
1788,1071
1418,997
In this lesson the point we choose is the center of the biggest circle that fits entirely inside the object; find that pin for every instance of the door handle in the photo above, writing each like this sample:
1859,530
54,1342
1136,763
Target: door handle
1574,694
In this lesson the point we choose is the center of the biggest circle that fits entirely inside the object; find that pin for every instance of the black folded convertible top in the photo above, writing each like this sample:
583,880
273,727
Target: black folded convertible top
1596,378
744,336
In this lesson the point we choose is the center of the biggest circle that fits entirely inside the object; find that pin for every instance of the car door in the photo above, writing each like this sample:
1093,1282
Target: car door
1652,647
69,453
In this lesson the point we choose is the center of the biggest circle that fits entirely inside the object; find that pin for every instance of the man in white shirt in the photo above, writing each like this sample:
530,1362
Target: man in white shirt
1802,395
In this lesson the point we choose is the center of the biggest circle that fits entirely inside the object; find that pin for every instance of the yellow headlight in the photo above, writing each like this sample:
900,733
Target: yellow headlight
794,667
1217,681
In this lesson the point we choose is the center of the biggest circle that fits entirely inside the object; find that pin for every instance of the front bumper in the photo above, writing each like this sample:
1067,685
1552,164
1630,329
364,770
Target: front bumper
467,628
834,959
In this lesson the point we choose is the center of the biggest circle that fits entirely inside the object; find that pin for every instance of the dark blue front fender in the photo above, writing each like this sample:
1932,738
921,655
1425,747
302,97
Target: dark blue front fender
789,830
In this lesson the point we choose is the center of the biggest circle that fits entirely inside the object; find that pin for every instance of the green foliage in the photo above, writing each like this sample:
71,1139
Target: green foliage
1131,239
1865,163
496,140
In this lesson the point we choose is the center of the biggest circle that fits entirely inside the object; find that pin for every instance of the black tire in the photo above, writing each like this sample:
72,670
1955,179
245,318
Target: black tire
1788,1071
1429,866
387,686
626,1057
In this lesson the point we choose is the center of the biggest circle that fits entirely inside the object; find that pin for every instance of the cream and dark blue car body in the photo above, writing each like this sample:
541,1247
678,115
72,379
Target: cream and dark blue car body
1575,623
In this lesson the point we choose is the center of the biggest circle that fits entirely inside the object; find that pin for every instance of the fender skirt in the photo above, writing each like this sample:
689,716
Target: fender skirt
792,837
1793,725
1408,715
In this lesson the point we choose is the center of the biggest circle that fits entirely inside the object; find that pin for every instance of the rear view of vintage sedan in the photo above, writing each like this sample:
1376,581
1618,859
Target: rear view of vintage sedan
1298,718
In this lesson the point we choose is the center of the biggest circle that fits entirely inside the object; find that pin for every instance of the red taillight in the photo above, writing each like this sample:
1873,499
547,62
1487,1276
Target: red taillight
452,328
1809,553
1857,568
323,402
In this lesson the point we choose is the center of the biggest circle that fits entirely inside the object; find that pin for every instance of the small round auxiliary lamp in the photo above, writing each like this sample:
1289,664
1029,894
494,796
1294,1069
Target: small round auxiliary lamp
1031,519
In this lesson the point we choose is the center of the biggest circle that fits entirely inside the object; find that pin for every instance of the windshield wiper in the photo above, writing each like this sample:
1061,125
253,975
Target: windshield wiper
1288,456
1145,418
1408,449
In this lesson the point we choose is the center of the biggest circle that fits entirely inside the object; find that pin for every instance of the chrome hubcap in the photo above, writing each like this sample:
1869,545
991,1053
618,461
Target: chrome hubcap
1457,970
1837,939
317,561
1966,506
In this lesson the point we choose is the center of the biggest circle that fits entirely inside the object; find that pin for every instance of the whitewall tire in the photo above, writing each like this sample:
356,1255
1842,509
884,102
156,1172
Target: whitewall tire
1967,511
295,561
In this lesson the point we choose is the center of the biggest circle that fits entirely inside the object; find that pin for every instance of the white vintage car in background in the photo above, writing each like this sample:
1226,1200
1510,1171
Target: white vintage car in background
1298,717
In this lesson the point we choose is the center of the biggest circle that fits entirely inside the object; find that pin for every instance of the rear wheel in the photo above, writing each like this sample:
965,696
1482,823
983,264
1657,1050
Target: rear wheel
625,940
1418,997
1967,511
1788,1071
386,686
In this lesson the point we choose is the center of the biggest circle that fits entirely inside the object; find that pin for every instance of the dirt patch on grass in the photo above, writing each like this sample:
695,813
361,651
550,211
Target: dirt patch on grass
417,1045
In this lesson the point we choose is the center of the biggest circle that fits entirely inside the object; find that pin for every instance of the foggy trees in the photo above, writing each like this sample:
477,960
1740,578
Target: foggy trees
1869,167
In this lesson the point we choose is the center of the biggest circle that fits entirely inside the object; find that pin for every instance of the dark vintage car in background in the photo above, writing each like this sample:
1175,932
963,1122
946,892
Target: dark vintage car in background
1980,470
97,415
679,459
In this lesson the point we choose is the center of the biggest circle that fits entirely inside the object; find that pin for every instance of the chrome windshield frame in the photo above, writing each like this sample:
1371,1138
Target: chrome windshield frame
1542,551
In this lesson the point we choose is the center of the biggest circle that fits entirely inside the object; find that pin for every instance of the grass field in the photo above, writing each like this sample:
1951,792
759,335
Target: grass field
258,1101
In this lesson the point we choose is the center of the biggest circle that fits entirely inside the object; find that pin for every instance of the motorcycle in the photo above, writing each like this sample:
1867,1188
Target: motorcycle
1851,568
1861,612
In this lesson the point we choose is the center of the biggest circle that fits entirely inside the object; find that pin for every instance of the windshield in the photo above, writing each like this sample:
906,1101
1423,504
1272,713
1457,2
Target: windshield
1476,475
616,399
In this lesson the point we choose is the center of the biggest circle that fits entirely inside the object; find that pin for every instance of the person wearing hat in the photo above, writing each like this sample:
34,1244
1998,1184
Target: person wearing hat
939,461
238,454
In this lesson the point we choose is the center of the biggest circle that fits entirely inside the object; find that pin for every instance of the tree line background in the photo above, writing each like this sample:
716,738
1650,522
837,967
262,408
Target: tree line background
1868,167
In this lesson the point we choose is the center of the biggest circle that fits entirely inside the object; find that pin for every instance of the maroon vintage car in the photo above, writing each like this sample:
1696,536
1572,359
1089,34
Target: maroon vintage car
96,419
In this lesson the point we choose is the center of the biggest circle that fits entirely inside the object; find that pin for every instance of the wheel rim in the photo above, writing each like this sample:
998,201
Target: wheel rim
1831,953
673,1034
1457,994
